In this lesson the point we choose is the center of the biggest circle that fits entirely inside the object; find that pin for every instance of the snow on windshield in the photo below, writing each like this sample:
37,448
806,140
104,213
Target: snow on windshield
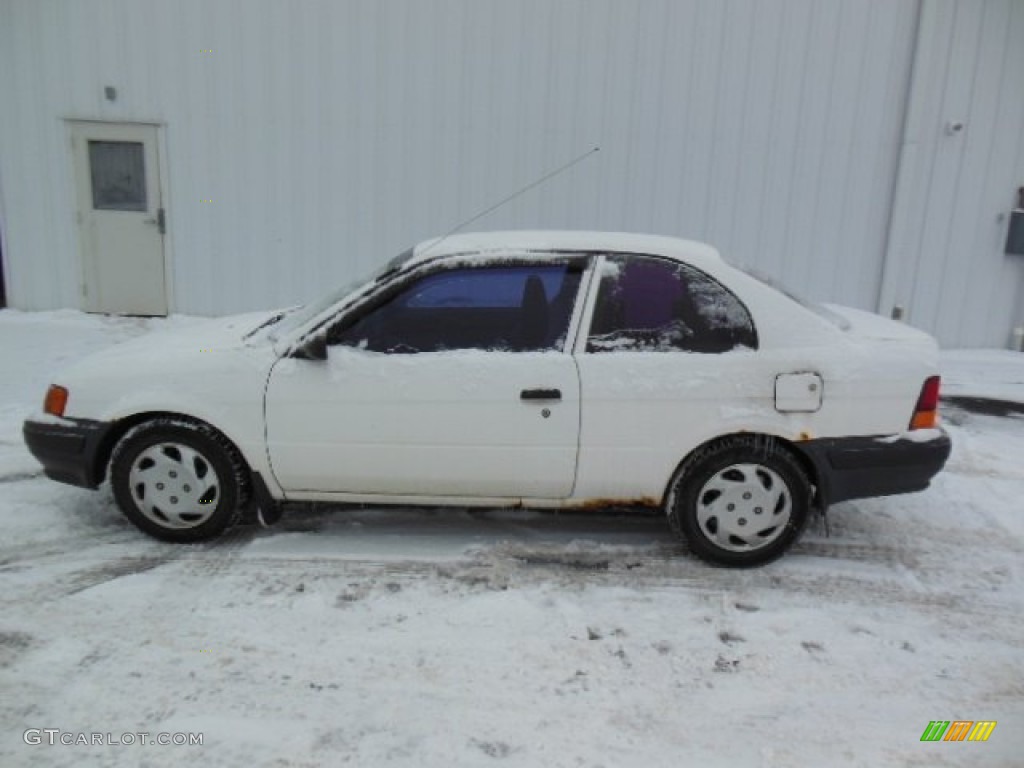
307,312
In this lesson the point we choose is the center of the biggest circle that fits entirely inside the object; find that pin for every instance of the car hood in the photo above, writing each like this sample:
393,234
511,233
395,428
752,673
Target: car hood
216,333
204,368
197,343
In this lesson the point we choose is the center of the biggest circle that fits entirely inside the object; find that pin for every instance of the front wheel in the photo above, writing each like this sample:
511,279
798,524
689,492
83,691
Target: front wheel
178,480
740,502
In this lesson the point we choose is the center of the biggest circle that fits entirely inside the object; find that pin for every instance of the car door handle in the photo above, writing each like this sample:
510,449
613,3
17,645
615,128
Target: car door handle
541,394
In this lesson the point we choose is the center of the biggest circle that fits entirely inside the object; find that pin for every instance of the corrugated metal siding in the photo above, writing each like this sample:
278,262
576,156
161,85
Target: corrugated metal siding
330,135
946,265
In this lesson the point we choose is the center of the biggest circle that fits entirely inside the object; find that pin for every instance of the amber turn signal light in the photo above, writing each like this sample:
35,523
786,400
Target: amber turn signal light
926,412
56,400
925,420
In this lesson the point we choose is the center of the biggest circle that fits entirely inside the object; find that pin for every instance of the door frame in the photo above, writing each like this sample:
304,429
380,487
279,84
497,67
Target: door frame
69,122
3,262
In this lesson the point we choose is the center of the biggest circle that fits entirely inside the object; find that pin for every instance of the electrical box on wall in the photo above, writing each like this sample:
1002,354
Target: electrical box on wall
1015,234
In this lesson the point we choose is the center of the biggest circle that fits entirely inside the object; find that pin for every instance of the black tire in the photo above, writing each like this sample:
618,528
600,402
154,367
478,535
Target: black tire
726,474
179,468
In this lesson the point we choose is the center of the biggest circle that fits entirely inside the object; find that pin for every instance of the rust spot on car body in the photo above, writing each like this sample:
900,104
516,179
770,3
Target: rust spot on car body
805,436
597,504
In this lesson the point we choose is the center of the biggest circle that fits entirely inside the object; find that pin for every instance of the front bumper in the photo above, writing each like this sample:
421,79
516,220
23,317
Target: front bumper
69,451
861,467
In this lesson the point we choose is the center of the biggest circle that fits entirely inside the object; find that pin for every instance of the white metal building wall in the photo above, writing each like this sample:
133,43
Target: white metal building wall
962,162
330,135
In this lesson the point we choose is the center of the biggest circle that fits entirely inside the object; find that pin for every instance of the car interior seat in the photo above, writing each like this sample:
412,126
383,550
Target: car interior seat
534,312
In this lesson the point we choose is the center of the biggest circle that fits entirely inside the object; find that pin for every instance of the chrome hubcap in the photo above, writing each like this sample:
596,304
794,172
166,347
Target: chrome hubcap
174,485
744,507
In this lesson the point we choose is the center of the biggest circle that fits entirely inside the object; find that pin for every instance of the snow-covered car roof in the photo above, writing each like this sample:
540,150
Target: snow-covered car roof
691,251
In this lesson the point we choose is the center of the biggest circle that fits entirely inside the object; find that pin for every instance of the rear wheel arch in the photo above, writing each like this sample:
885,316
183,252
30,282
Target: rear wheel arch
768,443
741,500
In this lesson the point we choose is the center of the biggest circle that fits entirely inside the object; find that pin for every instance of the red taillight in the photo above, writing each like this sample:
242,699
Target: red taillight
56,400
926,412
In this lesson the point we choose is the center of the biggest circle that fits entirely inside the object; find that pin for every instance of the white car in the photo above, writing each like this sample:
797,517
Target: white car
535,369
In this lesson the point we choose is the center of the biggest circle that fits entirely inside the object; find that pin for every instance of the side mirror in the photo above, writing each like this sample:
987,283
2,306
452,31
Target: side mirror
313,348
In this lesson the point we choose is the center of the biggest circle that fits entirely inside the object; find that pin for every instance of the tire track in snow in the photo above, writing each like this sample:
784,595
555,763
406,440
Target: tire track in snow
881,572
855,551
146,555
512,566
200,560
81,576
213,558
15,557
18,477
115,569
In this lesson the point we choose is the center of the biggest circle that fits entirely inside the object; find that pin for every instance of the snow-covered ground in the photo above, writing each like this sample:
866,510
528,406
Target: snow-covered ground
995,373
406,637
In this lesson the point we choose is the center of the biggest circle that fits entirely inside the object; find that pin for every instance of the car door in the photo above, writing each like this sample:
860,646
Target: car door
457,381
669,352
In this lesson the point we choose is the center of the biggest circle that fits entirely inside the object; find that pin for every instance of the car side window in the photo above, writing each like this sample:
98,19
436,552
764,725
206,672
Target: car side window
510,308
655,305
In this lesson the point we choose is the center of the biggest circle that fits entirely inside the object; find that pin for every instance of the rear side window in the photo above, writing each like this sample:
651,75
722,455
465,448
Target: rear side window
509,308
655,305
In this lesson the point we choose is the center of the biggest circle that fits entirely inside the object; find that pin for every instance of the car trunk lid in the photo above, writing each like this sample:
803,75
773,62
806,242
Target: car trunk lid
868,325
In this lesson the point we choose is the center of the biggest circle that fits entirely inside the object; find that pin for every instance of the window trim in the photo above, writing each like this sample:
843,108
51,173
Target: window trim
580,345
593,288
384,293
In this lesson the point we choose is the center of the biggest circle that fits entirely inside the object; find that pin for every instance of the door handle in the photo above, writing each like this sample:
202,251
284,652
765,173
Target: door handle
541,394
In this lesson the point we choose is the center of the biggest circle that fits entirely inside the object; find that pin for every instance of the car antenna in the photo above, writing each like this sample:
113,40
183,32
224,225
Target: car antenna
513,196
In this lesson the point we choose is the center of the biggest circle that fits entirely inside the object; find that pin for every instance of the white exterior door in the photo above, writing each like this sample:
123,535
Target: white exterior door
460,384
120,218
442,424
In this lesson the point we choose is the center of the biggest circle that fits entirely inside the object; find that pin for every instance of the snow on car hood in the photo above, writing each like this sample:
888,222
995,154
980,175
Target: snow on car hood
214,333
207,368
200,340
220,332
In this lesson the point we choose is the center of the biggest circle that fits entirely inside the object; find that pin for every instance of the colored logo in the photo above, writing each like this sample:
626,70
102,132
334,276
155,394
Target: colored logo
958,730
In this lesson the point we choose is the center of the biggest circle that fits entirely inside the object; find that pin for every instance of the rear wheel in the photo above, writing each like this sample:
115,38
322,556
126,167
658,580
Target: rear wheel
178,480
740,502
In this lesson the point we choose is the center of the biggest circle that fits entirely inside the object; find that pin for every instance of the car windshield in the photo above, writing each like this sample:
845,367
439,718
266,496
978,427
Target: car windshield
303,314
822,311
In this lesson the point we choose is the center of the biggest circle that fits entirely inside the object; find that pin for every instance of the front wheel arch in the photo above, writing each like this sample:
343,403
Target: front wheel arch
121,427
193,449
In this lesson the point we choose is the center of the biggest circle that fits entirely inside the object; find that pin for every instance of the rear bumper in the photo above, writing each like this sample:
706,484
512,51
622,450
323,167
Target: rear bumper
68,452
861,467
